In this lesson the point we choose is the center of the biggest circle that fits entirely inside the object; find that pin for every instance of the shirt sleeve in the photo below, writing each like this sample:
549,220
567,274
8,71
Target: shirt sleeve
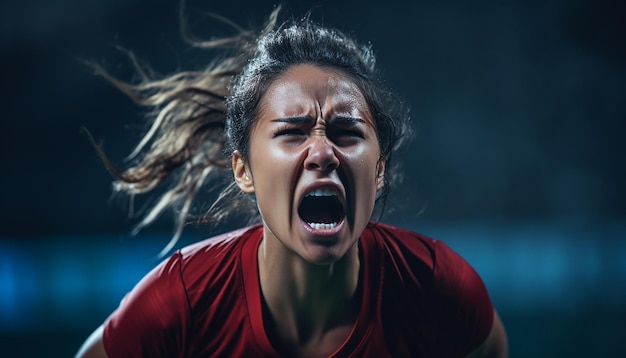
152,318
464,312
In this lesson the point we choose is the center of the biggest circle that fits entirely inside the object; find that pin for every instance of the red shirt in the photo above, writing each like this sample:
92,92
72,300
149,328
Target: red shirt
420,299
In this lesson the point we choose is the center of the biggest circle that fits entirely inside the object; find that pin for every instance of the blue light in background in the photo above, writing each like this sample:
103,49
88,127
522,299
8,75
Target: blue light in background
530,268
8,285
68,279
74,282
20,287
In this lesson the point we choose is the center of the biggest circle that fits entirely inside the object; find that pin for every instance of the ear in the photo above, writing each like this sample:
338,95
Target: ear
380,173
242,173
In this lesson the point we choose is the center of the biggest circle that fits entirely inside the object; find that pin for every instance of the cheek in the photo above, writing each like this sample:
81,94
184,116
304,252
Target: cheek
274,170
364,160
361,169
276,159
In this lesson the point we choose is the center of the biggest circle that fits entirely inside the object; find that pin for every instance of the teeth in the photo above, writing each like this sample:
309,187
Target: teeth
322,226
322,192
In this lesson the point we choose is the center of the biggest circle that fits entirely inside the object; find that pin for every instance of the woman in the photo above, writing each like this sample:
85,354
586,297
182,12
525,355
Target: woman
309,134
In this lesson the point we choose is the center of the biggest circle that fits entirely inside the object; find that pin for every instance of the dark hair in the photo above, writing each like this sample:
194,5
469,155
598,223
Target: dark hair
202,117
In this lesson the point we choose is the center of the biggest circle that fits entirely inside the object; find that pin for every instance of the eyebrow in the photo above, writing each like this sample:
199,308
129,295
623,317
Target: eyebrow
346,121
340,121
293,120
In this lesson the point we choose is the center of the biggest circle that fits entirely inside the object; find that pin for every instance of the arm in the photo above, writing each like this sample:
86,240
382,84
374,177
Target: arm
468,315
93,347
496,344
147,322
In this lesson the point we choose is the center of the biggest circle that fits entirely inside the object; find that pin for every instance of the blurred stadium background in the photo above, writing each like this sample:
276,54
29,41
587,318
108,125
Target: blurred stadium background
518,162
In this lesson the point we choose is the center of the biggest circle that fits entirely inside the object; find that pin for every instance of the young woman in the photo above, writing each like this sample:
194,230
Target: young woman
309,132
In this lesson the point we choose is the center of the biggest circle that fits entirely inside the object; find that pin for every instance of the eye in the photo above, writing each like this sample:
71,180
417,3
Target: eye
347,132
345,137
285,132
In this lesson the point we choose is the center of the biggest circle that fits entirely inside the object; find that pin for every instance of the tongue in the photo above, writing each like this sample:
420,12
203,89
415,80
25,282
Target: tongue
321,209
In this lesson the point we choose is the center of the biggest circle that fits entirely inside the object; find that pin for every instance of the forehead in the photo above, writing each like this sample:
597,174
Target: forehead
305,88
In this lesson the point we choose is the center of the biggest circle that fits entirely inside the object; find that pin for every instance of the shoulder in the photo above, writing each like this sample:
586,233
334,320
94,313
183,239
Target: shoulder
209,266
148,316
158,309
451,274
457,299
217,251
404,249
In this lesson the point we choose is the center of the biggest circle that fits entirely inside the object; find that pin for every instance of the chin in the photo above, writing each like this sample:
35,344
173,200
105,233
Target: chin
323,260
323,254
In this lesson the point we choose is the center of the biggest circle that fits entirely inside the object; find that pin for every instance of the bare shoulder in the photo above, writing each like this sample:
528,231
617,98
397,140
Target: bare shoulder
496,344
93,346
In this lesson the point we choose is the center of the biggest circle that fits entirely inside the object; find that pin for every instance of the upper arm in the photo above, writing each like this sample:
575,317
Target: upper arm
466,316
150,319
93,346
495,345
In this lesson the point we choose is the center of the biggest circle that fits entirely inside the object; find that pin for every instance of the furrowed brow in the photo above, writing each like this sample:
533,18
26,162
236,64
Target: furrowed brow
346,121
293,120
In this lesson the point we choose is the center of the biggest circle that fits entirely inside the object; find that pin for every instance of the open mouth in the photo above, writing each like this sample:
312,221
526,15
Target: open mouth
321,209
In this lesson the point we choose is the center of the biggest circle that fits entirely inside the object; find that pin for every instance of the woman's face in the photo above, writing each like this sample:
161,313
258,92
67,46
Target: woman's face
314,163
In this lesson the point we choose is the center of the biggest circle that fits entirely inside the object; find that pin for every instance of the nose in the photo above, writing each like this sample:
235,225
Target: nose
321,156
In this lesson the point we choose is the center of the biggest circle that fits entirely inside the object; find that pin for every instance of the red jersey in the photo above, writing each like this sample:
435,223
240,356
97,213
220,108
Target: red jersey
420,299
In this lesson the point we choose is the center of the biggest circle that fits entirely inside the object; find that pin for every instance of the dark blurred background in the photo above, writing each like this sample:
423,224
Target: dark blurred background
518,162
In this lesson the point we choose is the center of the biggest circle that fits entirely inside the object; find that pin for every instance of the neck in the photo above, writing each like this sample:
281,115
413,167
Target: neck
305,300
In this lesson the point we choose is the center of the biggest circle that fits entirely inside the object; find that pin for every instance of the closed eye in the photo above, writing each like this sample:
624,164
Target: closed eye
347,132
345,137
288,132
292,126
346,127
